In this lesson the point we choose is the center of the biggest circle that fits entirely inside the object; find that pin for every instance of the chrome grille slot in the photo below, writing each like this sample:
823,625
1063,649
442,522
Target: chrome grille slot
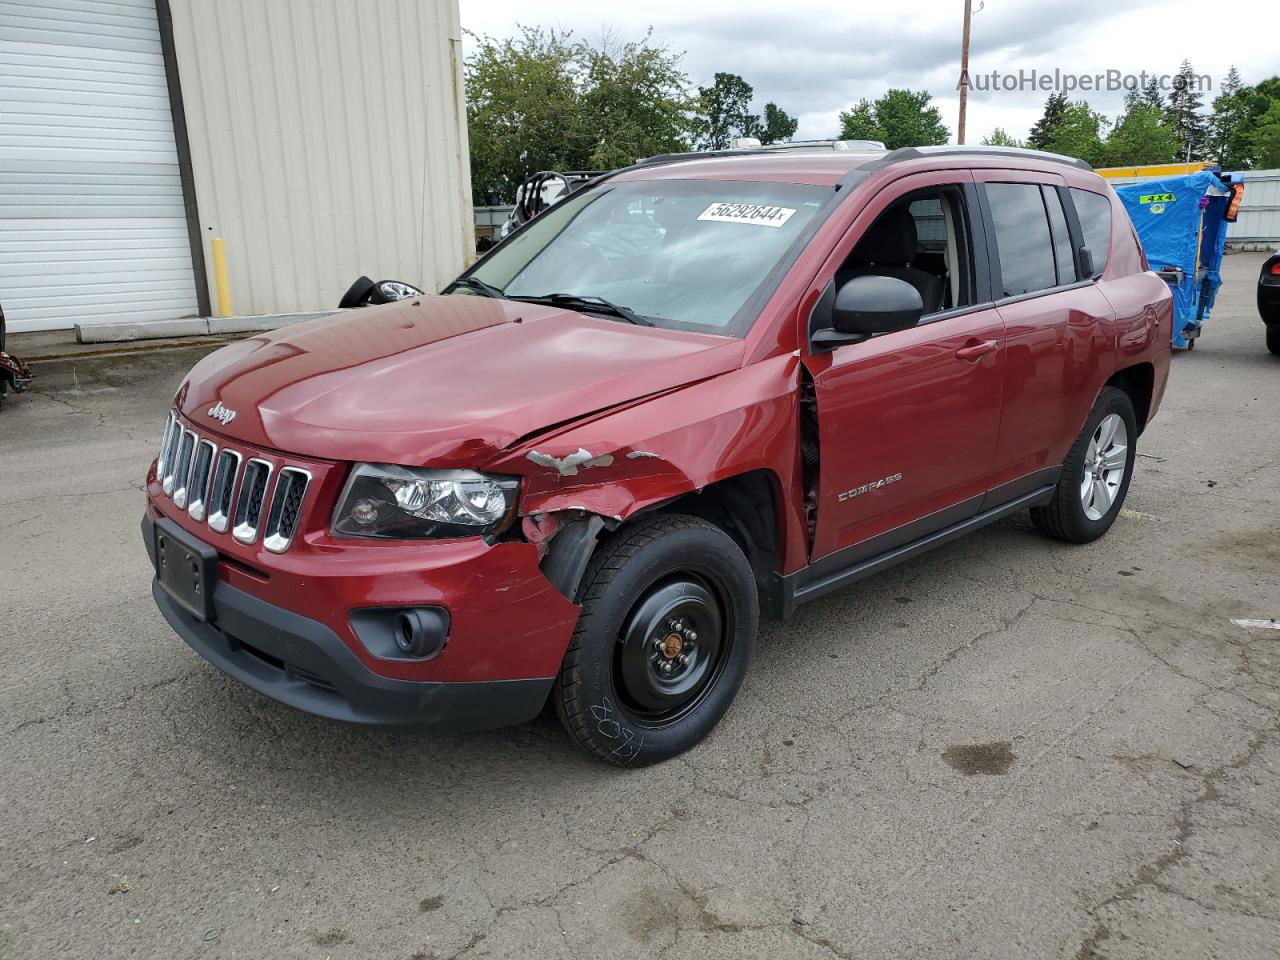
253,495
222,489
166,446
170,454
182,469
286,509
198,486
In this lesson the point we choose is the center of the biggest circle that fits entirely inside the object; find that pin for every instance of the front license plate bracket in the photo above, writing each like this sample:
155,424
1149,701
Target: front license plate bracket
186,568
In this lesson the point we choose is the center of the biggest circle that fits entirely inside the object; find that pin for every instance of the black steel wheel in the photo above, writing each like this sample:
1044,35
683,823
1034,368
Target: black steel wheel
671,649
668,624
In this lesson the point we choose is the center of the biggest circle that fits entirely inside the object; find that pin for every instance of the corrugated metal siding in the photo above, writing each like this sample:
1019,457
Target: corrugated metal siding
92,226
1259,222
328,139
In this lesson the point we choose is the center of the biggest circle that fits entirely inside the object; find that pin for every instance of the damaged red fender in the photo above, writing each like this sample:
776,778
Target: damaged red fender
675,444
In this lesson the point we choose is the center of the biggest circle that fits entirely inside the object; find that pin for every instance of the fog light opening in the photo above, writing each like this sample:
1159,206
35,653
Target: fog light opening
417,634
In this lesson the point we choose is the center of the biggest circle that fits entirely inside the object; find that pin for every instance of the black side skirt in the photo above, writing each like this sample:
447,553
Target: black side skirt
784,593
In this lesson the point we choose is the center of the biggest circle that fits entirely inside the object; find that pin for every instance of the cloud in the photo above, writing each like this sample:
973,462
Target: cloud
814,58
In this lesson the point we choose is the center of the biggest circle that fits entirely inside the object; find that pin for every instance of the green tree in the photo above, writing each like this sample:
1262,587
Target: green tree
900,118
777,125
1229,125
1043,132
1247,114
633,103
1079,134
999,138
1182,113
724,112
1264,138
523,109
544,100
859,123
1151,94
1140,137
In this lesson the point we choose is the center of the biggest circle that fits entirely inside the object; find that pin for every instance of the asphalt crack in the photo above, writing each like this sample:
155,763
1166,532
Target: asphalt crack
1150,874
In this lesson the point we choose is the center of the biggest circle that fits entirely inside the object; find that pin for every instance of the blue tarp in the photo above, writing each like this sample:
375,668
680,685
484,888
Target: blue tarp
1180,224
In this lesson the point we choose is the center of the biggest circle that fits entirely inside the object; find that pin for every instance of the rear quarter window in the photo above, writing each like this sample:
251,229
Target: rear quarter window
1094,211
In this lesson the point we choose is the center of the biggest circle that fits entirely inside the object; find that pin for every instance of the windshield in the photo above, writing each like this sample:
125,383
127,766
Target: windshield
685,254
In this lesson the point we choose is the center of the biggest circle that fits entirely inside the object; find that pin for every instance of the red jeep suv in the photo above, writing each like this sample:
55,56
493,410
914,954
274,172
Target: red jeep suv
701,389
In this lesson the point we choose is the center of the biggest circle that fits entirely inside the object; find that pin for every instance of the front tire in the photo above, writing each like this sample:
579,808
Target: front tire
1096,474
667,629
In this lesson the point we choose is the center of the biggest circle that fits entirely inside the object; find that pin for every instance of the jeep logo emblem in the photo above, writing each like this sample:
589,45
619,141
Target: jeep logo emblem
221,413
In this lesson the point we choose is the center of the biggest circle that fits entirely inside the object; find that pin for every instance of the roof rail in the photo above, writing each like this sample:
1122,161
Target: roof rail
782,146
741,148
950,150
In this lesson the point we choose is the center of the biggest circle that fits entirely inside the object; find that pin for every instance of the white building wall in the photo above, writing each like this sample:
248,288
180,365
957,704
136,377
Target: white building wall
328,139
92,223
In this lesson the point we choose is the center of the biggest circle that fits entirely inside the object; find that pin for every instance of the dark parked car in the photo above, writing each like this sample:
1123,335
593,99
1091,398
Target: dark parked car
695,391
1269,300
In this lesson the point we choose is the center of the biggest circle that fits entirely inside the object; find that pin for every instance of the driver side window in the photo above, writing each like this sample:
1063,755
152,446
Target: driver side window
924,239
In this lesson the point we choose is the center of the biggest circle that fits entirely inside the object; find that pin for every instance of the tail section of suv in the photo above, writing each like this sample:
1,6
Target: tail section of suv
695,392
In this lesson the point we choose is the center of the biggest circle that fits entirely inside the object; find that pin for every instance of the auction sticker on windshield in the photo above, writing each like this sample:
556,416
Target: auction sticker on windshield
757,213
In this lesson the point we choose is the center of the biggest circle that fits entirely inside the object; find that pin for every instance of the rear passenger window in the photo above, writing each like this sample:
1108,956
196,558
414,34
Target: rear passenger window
1094,211
1022,238
1061,236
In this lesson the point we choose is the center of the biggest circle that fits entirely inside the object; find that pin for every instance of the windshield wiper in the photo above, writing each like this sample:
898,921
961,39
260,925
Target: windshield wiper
591,303
488,289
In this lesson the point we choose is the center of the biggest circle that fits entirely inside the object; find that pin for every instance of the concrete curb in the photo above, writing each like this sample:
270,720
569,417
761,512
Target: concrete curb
188,327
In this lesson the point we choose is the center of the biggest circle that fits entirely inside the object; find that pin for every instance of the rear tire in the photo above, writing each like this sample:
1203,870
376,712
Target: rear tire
667,629
1273,338
1096,474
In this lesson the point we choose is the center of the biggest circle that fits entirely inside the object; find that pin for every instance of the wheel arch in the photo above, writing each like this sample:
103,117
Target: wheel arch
1138,382
747,506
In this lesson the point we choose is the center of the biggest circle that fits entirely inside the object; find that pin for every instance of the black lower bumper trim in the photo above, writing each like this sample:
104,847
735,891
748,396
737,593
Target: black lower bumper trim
302,663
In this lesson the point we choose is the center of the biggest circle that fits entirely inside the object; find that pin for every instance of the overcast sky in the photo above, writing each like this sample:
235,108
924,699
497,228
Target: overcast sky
815,59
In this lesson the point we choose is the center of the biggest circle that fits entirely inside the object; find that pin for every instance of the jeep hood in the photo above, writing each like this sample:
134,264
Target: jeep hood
448,381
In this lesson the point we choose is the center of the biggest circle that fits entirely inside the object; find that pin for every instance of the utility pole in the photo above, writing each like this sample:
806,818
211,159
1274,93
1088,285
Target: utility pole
964,70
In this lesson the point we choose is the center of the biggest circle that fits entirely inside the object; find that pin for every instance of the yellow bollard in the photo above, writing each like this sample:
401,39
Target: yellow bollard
220,277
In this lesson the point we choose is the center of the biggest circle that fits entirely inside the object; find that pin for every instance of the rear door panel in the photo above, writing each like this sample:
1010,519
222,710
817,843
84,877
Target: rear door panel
1059,346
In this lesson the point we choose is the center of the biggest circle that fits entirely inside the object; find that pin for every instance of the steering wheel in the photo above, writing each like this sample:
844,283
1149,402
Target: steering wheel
595,265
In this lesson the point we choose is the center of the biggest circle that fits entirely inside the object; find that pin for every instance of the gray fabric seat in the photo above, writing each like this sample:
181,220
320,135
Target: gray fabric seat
888,250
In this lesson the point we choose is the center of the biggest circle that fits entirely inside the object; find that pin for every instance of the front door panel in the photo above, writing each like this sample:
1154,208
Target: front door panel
907,423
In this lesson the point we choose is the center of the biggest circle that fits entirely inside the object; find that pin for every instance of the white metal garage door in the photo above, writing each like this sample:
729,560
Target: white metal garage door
92,226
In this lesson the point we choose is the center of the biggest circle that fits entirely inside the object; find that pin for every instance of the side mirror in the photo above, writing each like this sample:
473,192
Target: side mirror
868,305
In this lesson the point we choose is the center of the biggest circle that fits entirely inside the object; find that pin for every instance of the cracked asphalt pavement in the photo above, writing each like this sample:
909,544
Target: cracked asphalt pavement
1007,748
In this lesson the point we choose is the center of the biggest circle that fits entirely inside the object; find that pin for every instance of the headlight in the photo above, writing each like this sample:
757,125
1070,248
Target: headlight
382,500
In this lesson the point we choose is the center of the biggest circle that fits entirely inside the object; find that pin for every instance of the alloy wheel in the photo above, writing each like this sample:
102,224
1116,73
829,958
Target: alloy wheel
1105,461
